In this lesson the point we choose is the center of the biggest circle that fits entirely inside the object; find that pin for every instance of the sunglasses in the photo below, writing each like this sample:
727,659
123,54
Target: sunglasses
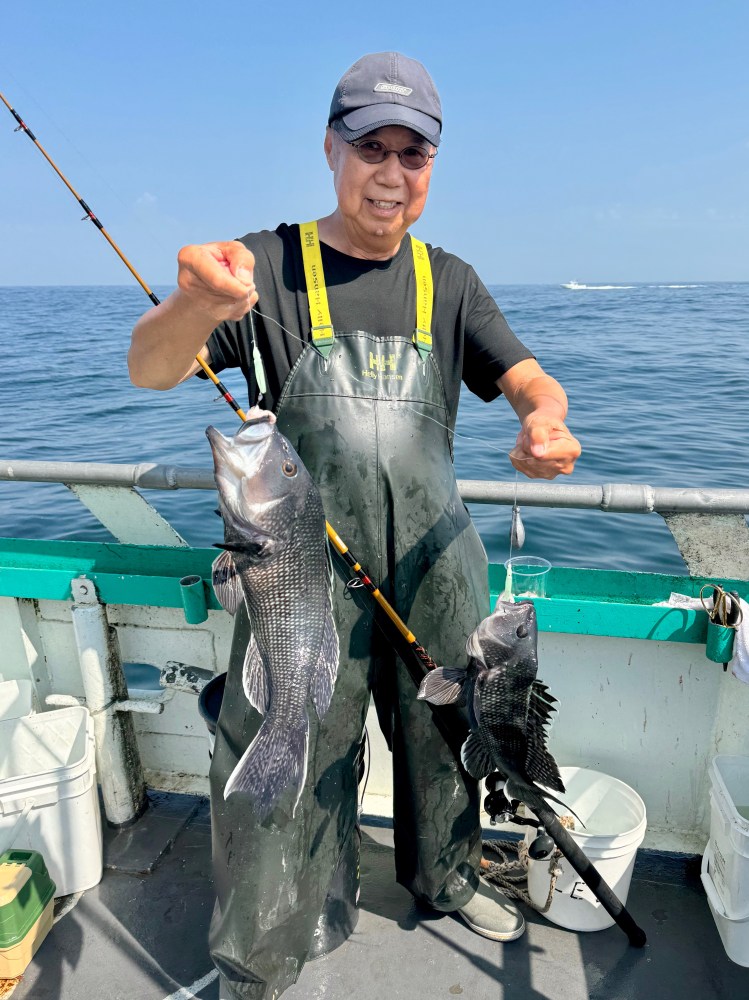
373,151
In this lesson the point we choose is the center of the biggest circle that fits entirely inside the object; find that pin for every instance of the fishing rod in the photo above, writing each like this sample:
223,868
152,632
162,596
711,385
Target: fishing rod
451,724
90,217
340,546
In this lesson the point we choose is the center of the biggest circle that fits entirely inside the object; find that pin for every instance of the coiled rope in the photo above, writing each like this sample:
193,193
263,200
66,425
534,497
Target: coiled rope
511,873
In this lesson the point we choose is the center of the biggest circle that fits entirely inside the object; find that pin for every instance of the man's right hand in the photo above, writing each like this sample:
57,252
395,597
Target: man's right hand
218,279
216,283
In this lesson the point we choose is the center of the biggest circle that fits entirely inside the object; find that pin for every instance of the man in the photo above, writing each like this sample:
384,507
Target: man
365,334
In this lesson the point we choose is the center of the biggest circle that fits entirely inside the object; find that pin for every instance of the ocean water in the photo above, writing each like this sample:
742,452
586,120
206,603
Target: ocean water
657,377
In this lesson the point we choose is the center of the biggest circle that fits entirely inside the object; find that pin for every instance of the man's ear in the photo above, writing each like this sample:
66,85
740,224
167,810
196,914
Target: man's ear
329,146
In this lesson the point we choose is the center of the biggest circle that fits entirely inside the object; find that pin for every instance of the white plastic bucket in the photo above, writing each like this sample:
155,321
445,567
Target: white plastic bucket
48,796
729,833
615,821
734,933
16,699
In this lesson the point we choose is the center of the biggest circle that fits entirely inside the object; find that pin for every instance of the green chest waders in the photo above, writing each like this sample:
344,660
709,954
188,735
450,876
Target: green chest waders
369,422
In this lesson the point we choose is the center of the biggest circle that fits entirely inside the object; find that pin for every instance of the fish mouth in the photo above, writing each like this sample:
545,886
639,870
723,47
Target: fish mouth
242,455
502,638
247,497
258,422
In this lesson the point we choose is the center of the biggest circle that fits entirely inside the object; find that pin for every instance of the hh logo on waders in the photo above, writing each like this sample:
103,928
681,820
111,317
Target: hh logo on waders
382,366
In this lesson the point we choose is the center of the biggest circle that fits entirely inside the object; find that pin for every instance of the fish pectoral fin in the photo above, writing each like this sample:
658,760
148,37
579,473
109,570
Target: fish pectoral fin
256,545
255,678
227,584
442,686
475,758
324,676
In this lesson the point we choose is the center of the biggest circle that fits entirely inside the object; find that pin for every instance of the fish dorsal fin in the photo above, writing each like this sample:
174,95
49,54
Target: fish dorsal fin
322,681
540,766
255,678
475,757
442,686
227,584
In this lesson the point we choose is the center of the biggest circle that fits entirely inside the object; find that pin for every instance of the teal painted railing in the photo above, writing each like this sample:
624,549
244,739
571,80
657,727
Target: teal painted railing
579,601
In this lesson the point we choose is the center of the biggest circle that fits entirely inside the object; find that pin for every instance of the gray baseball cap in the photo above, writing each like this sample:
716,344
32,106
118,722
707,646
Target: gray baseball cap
386,88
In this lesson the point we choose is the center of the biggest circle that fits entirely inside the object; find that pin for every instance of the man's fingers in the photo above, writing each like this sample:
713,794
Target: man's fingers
558,457
241,261
537,439
218,278
223,269
535,468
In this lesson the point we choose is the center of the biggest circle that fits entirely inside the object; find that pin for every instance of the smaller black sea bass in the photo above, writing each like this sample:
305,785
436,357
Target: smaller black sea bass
276,559
508,708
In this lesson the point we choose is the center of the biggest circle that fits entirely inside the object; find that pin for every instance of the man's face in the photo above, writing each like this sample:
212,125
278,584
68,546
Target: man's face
378,201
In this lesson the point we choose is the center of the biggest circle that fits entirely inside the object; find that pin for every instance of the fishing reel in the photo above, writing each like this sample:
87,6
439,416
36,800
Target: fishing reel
500,808
503,809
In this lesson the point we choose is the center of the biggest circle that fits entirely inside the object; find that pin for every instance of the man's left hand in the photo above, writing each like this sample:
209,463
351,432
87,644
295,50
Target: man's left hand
545,448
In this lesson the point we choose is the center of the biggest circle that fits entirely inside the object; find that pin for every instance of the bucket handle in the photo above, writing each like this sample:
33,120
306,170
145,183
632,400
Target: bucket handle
709,886
19,823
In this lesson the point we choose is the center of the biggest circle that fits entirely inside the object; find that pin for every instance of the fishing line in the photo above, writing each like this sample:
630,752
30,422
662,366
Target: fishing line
506,594
397,402
91,166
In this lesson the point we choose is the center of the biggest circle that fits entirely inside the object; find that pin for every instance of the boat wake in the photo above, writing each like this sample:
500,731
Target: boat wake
574,286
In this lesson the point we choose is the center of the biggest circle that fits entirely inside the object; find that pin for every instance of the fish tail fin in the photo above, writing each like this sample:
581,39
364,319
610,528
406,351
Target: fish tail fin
275,760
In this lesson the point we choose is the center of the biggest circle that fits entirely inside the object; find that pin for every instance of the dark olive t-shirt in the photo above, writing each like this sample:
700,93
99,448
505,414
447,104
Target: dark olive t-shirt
471,339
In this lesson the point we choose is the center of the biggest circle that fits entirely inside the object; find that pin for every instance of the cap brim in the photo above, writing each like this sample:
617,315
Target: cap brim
358,123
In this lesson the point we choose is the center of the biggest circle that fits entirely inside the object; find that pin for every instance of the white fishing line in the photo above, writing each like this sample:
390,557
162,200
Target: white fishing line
189,992
156,236
506,594
397,402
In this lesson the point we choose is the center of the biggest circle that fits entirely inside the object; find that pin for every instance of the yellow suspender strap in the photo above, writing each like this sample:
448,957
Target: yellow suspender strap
323,334
424,295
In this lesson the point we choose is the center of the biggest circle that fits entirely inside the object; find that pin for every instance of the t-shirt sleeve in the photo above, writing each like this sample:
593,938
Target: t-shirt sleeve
490,346
222,348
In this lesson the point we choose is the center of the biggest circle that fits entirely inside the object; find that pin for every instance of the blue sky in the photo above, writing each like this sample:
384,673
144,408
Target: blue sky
595,141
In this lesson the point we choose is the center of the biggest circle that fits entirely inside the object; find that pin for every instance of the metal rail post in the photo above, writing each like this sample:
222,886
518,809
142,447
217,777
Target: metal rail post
118,763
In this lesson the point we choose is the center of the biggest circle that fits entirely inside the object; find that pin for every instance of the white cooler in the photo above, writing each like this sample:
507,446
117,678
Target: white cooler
725,864
48,795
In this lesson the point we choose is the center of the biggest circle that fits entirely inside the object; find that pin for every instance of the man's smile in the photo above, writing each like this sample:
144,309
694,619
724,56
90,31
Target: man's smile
383,208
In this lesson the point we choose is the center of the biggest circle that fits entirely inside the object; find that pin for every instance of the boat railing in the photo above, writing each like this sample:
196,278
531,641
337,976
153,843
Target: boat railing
708,524
123,604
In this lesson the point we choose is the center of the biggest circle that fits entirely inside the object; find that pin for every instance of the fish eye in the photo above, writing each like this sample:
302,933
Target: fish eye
521,632
289,468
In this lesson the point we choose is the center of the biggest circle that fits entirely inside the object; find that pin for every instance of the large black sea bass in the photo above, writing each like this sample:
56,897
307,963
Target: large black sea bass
509,709
276,559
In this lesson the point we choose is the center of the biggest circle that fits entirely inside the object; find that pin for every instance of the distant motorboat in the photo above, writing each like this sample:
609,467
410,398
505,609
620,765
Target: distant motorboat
574,286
